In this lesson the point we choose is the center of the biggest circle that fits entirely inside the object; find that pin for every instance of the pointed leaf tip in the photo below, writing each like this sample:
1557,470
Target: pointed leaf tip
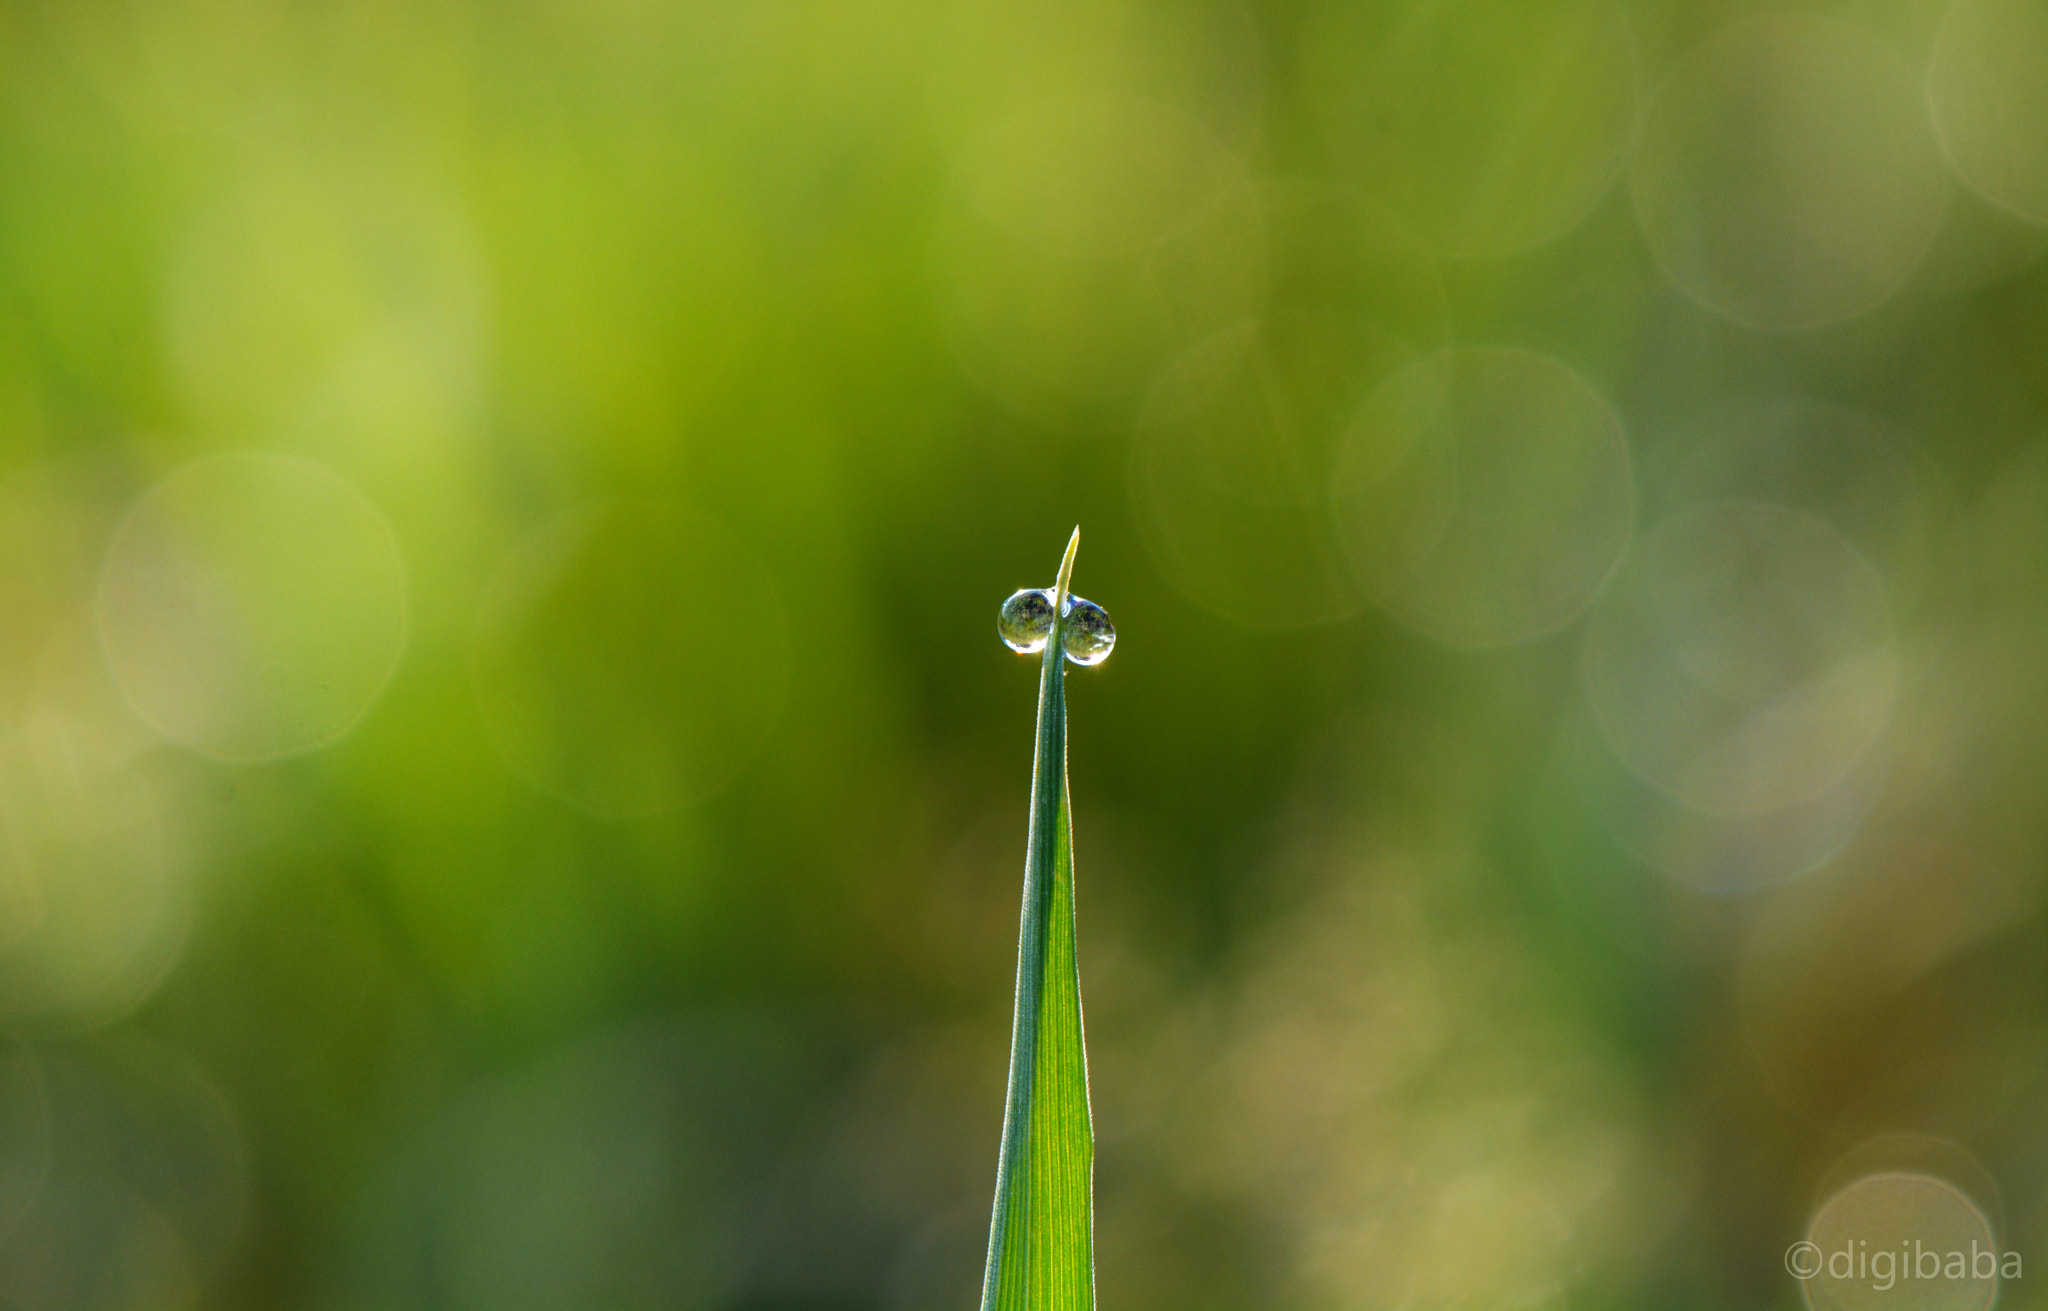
1059,587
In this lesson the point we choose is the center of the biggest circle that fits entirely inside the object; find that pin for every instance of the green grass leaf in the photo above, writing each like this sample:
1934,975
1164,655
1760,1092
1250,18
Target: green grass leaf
1041,1243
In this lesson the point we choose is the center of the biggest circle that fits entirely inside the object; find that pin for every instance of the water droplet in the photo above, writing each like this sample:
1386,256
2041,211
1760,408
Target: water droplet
1089,634
1026,619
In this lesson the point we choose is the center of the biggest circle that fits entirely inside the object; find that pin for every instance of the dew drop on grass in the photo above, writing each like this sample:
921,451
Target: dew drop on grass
1026,619
1089,634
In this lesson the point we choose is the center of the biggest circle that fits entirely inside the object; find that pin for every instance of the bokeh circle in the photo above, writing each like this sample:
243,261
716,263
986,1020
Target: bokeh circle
1091,239
1231,460
1484,494
1987,84
1787,175
631,657
1745,659
253,605
1490,125
1910,1223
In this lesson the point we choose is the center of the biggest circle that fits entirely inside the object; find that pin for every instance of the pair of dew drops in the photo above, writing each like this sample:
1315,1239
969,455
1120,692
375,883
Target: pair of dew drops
1026,621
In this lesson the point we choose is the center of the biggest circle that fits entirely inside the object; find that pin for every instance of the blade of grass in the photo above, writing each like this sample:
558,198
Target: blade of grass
1041,1240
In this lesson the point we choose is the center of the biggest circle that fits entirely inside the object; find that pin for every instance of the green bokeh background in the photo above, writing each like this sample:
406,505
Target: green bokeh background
513,797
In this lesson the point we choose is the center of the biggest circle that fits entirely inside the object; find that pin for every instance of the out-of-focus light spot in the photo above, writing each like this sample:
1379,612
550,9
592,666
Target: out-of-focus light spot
1484,495
147,1117
1745,659
93,905
55,519
1988,86
146,1193
309,302
995,58
1490,125
1927,1155
1407,1166
95,910
1787,176
221,67
93,1245
253,605
1491,1233
1869,480
24,1133
1979,244
1903,986
1589,876
1910,1223
1094,175
1854,470
1995,680
631,657
1230,466
1723,852
608,1173
1094,239
1229,500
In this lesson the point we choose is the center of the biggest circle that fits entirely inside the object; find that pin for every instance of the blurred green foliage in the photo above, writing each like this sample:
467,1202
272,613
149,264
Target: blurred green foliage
512,798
